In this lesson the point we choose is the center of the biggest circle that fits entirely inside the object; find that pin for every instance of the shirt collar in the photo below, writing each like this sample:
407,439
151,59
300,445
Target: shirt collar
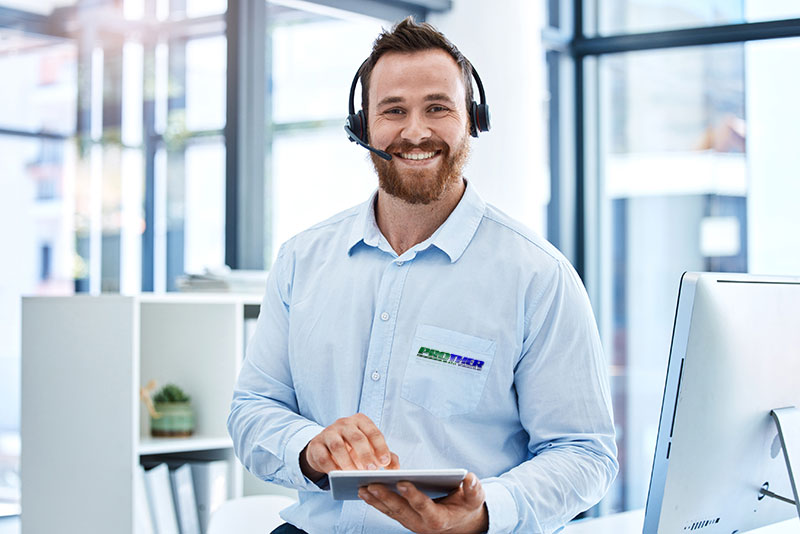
452,237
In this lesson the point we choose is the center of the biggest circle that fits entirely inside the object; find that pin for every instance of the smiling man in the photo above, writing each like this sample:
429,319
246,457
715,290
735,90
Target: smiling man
425,329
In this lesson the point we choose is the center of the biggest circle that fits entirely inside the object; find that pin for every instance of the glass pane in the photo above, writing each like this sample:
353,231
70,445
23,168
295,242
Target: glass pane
131,225
760,10
39,88
311,189
133,9
773,161
697,169
202,8
204,229
633,16
205,83
311,78
110,195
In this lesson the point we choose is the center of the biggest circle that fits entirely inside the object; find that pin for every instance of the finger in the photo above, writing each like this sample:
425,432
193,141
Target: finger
319,457
337,449
381,451
396,506
365,495
373,499
418,501
360,448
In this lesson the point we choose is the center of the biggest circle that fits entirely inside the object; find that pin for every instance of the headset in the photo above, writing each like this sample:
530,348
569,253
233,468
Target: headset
356,123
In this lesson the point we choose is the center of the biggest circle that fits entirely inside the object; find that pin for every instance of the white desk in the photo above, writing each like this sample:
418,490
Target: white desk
631,523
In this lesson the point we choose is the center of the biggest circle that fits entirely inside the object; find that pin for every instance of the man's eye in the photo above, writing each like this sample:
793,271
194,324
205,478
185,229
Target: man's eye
437,109
394,111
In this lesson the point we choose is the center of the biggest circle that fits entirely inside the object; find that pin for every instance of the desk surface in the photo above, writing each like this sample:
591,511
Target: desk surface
631,523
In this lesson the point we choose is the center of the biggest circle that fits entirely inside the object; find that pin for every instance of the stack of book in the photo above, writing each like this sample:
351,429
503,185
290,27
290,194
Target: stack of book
179,498
224,280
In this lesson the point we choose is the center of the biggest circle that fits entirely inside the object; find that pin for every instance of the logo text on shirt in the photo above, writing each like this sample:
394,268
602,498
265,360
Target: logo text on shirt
452,359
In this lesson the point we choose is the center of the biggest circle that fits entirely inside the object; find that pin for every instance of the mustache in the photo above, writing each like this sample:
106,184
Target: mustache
429,145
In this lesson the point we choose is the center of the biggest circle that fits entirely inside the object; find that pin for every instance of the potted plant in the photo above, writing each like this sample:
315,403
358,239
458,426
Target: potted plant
171,414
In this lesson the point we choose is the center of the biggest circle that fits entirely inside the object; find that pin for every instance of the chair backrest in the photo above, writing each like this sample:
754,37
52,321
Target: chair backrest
255,514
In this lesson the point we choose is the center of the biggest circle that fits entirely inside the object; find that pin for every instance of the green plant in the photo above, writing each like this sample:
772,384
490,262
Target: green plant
171,393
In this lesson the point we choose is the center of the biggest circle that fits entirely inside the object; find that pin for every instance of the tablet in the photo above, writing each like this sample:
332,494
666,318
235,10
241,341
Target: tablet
432,482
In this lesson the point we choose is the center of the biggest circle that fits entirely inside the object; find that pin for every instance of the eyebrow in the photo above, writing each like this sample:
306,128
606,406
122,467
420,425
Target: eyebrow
433,97
439,97
390,100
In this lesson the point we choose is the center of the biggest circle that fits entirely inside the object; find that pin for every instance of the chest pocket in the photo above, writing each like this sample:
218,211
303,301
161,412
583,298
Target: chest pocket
446,370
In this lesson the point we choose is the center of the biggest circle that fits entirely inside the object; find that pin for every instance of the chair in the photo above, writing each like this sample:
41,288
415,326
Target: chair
255,514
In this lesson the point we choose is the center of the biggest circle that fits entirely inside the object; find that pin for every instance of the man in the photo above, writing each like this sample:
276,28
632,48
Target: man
425,329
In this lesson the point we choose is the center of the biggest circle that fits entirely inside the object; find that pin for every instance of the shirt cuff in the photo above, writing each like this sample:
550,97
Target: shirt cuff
502,508
291,457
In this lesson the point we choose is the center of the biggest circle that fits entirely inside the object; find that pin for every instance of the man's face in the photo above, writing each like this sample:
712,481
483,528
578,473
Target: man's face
417,113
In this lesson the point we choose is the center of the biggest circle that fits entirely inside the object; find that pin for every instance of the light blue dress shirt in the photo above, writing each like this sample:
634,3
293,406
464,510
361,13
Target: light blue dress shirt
476,348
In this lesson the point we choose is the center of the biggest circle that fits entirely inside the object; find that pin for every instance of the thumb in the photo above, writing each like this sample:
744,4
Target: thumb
394,463
473,491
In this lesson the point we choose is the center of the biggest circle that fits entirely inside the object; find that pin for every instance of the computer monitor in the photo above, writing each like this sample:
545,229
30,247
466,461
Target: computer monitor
720,465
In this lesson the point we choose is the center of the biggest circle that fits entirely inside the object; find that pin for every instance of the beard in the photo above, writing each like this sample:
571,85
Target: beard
422,186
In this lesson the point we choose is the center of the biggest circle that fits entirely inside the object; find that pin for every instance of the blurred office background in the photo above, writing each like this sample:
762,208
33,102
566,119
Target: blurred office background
144,139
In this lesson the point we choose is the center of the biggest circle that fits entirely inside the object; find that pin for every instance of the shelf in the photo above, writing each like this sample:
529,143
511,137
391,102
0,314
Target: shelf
201,297
78,349
173,445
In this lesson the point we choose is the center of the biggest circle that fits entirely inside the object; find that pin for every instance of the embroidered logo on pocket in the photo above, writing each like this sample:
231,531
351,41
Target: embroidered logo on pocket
452,359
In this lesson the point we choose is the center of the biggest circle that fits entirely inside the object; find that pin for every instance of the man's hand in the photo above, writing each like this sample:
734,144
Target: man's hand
462,512
349,443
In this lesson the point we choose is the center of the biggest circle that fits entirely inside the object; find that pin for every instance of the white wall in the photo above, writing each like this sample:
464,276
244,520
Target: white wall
502,39
773,119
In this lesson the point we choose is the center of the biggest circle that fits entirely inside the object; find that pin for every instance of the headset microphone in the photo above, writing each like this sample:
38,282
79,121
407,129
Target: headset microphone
354,138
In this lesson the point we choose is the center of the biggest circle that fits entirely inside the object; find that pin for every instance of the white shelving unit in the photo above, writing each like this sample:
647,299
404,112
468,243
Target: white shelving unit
84,429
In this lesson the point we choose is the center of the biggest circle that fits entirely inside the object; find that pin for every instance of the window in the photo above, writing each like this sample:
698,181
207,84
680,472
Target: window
613,17
36,207
116,148
687,165
99,129
316,171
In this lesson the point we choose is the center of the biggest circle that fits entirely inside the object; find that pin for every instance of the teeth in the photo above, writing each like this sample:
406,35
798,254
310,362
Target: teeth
424,155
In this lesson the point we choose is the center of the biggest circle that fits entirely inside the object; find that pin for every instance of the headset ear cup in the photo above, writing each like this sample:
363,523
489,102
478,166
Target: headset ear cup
362,120
482,117
356,124
361,126
473,119
478,118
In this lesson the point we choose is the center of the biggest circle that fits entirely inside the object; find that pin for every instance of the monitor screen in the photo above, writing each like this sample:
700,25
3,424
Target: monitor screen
735,357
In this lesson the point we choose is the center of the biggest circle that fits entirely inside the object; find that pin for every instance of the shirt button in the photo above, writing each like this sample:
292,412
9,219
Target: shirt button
376,375
385,316
400,262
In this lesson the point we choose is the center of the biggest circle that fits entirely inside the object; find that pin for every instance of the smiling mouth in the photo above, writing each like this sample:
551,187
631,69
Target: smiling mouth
417,156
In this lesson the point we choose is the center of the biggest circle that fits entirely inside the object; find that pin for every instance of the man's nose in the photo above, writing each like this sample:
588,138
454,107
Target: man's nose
416,129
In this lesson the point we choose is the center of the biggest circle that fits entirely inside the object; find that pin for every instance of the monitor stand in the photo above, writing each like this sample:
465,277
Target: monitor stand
788,422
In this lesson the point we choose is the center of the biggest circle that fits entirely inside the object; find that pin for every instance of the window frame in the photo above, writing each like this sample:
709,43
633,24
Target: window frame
585,52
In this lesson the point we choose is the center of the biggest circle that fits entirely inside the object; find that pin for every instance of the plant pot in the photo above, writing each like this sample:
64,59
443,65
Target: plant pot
176,420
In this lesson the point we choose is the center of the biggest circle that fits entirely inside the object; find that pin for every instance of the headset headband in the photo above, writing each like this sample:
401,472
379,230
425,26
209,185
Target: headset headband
352,108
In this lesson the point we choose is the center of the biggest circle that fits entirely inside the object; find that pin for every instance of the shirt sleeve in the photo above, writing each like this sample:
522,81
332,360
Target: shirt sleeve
565,406
268,432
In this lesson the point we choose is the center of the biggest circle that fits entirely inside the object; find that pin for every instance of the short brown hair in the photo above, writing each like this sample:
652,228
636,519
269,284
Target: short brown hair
410,36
